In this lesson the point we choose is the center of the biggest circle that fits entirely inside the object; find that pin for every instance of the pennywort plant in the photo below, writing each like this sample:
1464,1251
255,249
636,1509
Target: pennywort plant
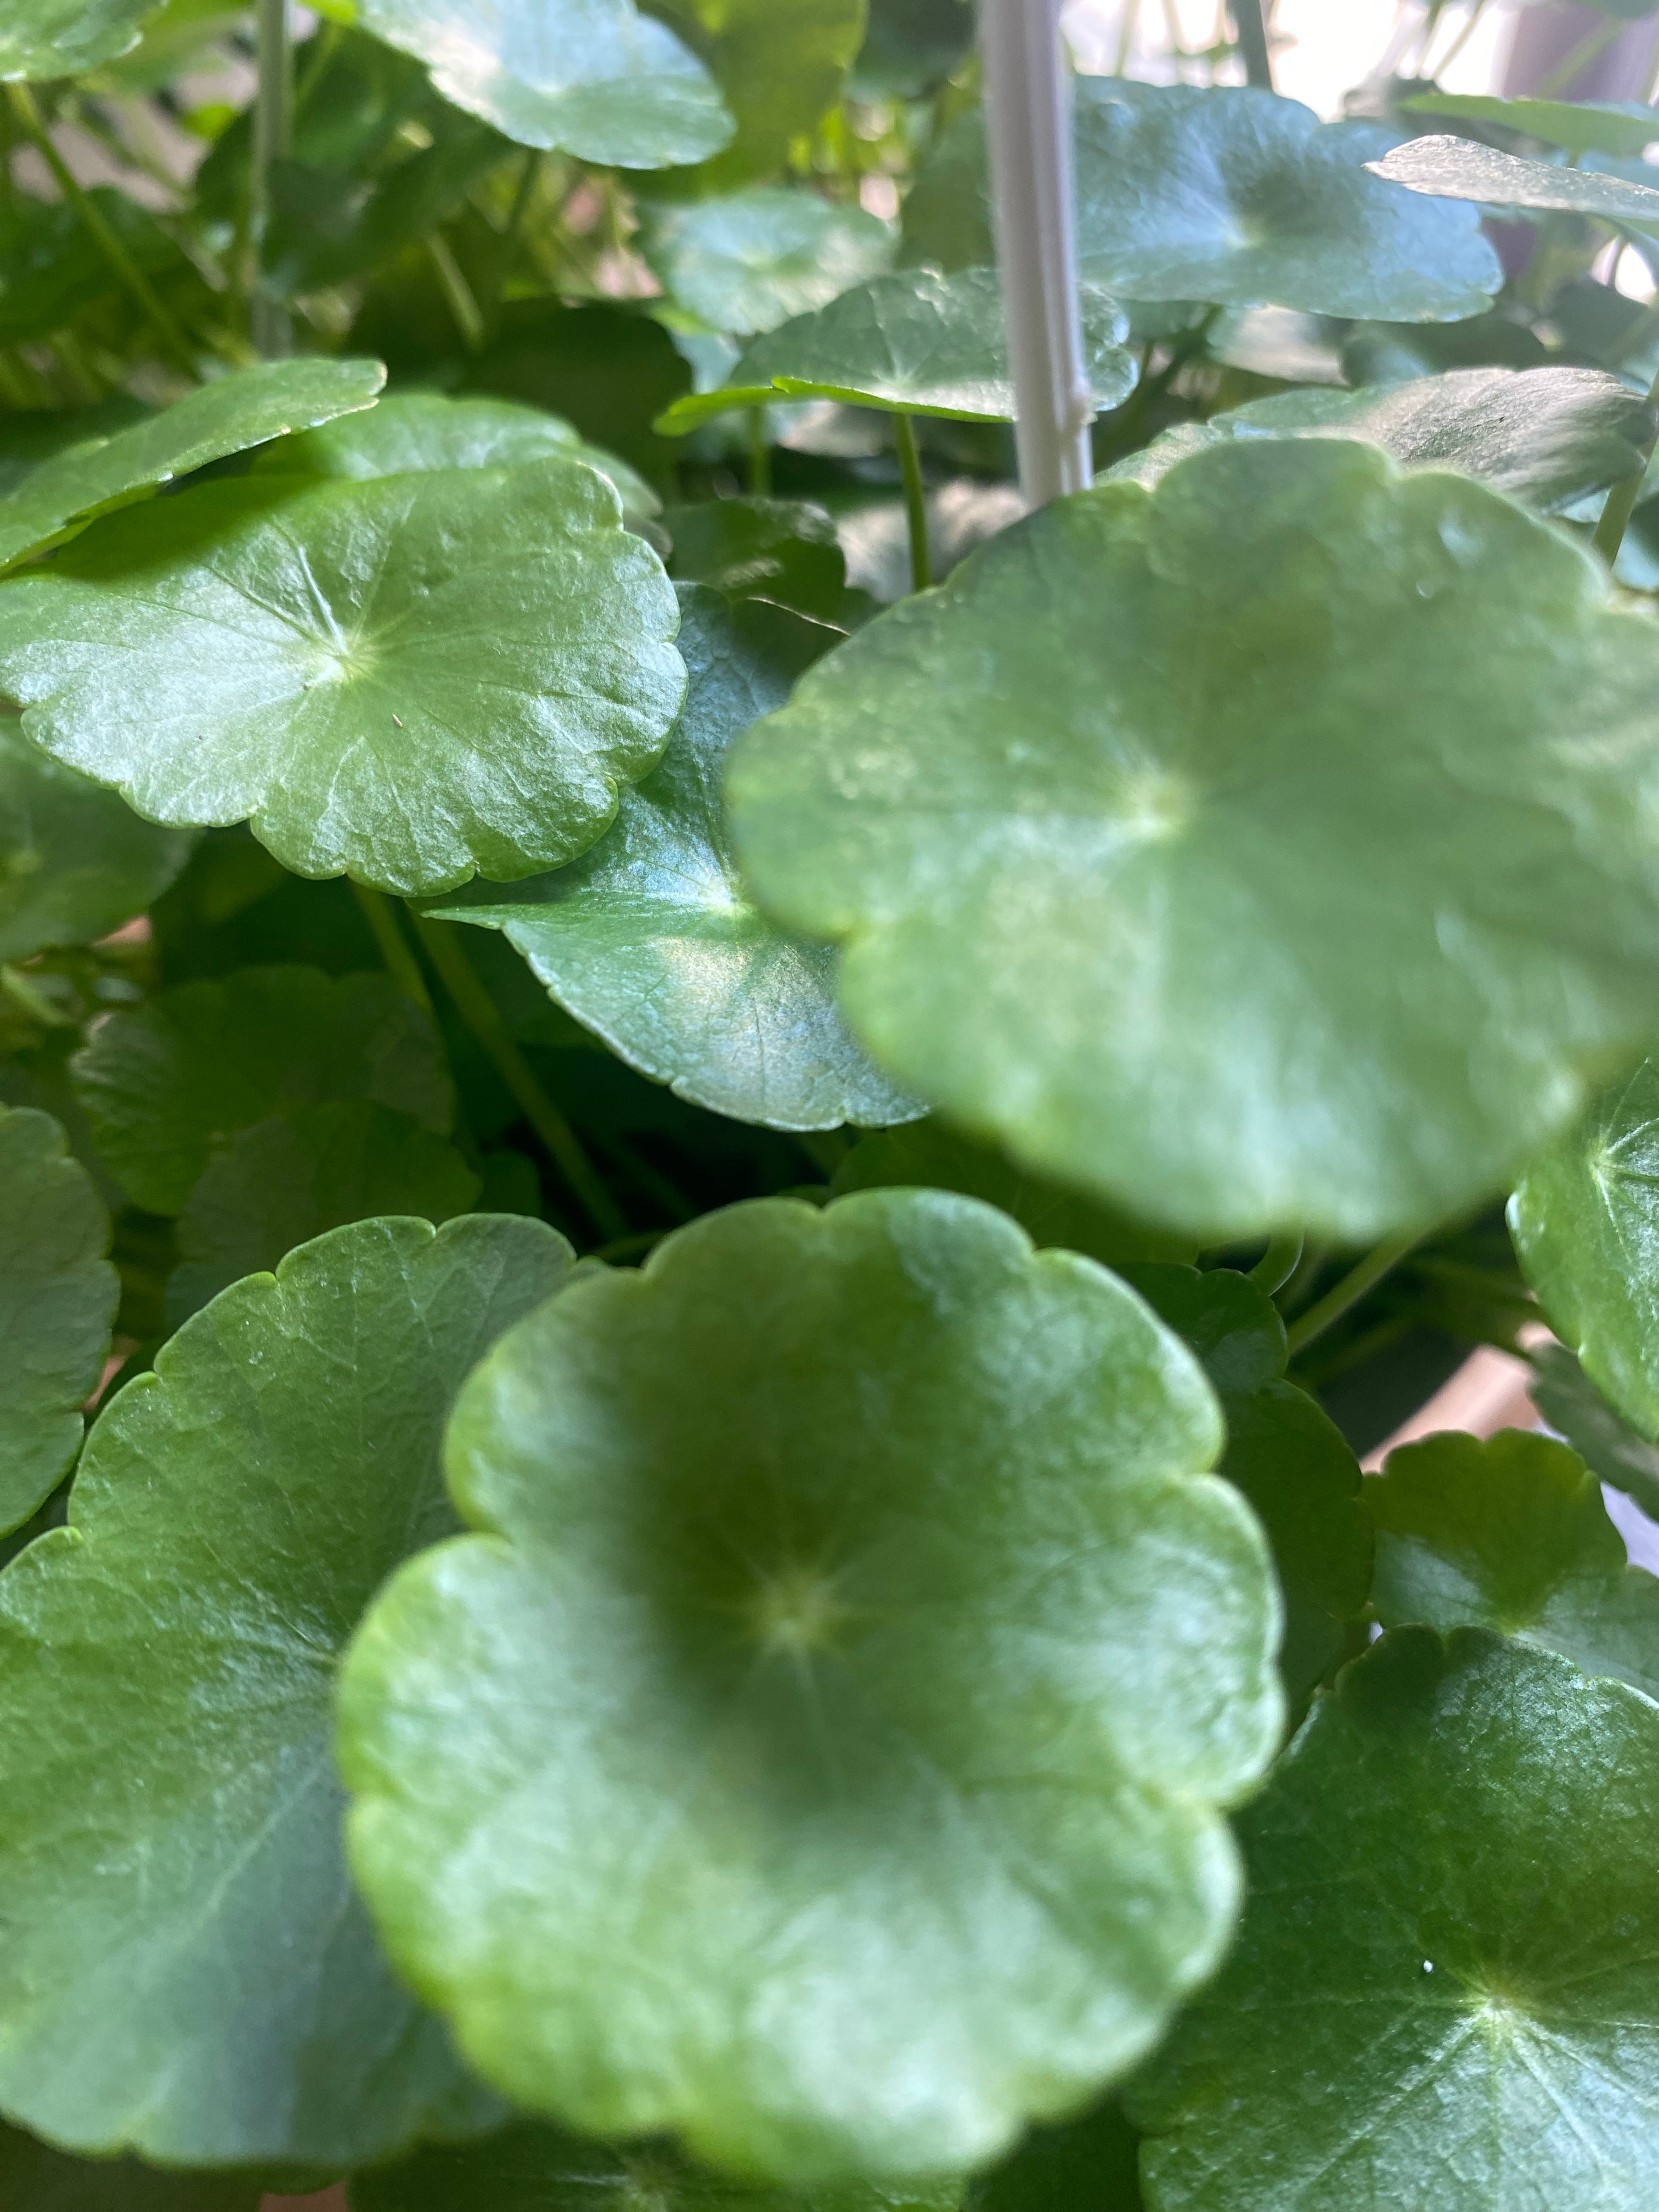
760,989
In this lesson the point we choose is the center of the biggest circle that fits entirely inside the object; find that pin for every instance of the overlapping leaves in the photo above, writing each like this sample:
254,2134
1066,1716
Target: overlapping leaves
1463,169
751,261
896,1701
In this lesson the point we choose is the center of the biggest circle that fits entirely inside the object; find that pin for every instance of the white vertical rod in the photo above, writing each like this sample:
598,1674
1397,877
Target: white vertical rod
1029,114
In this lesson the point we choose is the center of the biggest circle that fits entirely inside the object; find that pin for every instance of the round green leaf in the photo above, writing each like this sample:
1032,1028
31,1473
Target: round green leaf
911,344
590,77
1572,1405
282,1182
781,68
57,1298
1579,126
414,431
1190,845
929,1156
534,2168
45,38
409,680
1228,195
651,941
187,1973
34,2178
1585,1221
166,1083
1511,1533
1547,436
75,861
241,409
1443,1994
750,261
778,1769
1286,1453
1463,169
785,550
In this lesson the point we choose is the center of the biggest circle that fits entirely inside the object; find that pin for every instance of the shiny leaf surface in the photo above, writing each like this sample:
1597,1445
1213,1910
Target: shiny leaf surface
1460,169
753,259
45,38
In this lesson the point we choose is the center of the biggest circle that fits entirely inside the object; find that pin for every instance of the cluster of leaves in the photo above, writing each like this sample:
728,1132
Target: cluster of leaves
684,1306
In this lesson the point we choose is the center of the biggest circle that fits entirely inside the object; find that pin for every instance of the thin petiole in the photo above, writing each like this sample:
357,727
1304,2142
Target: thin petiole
760,455
395,949
1277,1264
1250,30
463,305
273,326
482,1016
121,263
1378,1262
1622,499
1573,65
915,500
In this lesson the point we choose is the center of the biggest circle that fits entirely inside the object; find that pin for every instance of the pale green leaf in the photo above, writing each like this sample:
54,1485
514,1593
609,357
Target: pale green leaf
75,861
1511,1533
57,1296
1189,844
591,77
750,261
911,344
244,409
165,1084
1228,195
1579,126
762,1635
45,39
411,679
187,1973
1444,1993
414,431
650,940
282,1182
1461,169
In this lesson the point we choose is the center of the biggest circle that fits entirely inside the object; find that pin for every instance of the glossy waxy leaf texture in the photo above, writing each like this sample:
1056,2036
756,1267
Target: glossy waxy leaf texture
1189,844
1461,169
868,1541
1443,1994
57,1296
1227,195
112,469
650,940
409,679
187,1972
749,261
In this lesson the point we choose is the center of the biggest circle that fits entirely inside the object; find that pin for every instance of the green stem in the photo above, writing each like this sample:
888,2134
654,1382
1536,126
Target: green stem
915,500
760,455
1475,12
469,316
273,139
123,267
1277,1264
1622,499
515,222
479,1012
1588,51
633,1246
1353,1287
395,949
327,46
1250,30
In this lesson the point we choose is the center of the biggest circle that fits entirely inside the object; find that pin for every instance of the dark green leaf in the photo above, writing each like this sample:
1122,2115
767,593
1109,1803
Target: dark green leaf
750,262
911,344
1460,169
165,1084
58,1294
62,38
284,1182
75,861
1573,1407
241,409
34,2178
1191,844
780,68
1226,194
1511,1533
928,1156
186,1971
1581,126
411,679
591,77
1547,436
608,371
1444,1993
415,431
534,2168
785,550
704,1681
1090,2165
51,268
1585,1221
911,46
651,941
